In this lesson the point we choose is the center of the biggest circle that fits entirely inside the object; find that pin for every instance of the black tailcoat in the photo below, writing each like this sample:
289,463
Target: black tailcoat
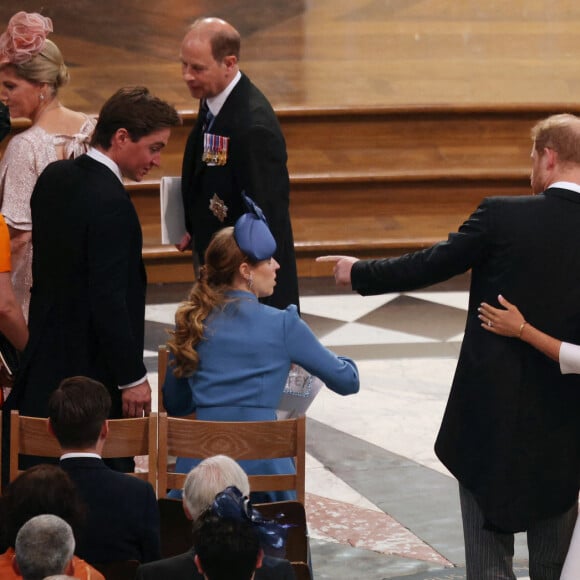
510,433
87,310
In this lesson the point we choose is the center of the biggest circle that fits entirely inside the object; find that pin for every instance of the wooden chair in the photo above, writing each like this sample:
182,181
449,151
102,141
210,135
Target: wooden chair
162,360
293,514
240,440
127,438
122,570
301,571
174,527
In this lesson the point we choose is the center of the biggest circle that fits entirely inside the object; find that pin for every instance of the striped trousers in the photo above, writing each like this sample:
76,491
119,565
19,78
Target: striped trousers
489,555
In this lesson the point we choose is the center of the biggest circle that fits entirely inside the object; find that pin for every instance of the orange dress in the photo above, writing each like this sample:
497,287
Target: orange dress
82,570
5,265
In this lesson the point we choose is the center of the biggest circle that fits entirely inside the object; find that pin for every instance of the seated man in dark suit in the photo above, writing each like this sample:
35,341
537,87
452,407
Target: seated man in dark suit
123,518
203,482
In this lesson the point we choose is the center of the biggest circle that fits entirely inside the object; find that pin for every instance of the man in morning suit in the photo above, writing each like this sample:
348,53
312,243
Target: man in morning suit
510,433
122,519
87,308
203,483
238,148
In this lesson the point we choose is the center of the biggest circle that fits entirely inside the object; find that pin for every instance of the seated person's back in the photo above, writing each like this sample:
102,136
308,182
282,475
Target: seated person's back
201,486
42,489
122,521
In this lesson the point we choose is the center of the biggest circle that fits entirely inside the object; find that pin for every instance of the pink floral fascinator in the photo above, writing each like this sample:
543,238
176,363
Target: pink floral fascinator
24,37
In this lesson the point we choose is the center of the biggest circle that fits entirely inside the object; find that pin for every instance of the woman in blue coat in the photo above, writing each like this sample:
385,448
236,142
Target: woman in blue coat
230,354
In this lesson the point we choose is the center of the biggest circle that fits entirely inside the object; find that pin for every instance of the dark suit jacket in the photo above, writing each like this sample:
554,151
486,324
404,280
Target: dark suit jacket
122,520
511,432
183,567
4,121
256,164
87,308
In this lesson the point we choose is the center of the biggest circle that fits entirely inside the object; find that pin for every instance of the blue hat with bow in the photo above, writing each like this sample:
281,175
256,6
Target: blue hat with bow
231,504
252,233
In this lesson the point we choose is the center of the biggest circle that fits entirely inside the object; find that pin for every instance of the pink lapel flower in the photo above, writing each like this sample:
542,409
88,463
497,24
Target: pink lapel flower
24,37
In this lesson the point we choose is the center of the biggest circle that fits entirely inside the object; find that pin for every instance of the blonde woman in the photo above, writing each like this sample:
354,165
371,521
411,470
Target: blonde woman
32,70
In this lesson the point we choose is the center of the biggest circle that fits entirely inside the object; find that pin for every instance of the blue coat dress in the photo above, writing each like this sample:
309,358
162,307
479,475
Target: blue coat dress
245,357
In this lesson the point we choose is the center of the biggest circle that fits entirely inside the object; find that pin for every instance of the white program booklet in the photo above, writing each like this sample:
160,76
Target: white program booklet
300,390
172,216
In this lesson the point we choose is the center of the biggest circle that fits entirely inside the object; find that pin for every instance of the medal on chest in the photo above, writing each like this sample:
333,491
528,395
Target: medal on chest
215,149
218,207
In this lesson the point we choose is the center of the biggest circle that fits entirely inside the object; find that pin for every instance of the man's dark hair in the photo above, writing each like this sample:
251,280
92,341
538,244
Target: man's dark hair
136,110
77,411
227,549
42,489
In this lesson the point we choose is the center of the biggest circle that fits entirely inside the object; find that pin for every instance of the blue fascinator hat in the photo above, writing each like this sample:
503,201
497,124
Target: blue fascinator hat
252,233
230,504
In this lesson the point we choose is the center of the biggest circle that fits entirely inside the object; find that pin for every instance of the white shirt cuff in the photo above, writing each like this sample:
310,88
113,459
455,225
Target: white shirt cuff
569,358
134,384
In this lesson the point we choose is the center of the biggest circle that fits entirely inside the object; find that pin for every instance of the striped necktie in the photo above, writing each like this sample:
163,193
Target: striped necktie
206,116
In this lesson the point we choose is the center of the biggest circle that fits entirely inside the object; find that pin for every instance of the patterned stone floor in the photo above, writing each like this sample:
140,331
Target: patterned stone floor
379,502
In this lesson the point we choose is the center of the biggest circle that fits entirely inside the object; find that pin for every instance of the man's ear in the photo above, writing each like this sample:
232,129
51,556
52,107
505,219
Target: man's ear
50,428
230,61
186,511
551,157
70,568
120,137
15,567
104,429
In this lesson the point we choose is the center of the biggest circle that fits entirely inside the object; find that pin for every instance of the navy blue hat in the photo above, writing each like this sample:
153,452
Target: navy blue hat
252,234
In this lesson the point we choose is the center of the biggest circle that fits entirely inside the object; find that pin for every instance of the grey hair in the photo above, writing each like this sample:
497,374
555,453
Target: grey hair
210,477
44,546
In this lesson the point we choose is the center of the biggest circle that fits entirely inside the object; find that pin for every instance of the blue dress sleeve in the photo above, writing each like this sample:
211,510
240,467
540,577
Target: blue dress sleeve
338,373
177,395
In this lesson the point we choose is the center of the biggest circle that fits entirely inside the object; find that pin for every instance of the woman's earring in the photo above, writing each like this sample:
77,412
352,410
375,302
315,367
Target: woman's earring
42,96
250,281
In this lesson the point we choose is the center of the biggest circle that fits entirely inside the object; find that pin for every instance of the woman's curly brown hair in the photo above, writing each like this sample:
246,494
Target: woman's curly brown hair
223,258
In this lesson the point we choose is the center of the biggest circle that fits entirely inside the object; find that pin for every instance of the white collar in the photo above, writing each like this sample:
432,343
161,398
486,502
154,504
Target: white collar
216,103
77,454
105,160
566,185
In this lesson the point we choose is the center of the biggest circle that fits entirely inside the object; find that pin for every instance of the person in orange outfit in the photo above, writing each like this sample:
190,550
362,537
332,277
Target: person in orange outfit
39,490
12,323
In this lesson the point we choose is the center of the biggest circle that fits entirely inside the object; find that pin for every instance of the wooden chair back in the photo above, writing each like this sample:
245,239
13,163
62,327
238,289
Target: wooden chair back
293,514
239,440
162,360
127,438
175,529
301,571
